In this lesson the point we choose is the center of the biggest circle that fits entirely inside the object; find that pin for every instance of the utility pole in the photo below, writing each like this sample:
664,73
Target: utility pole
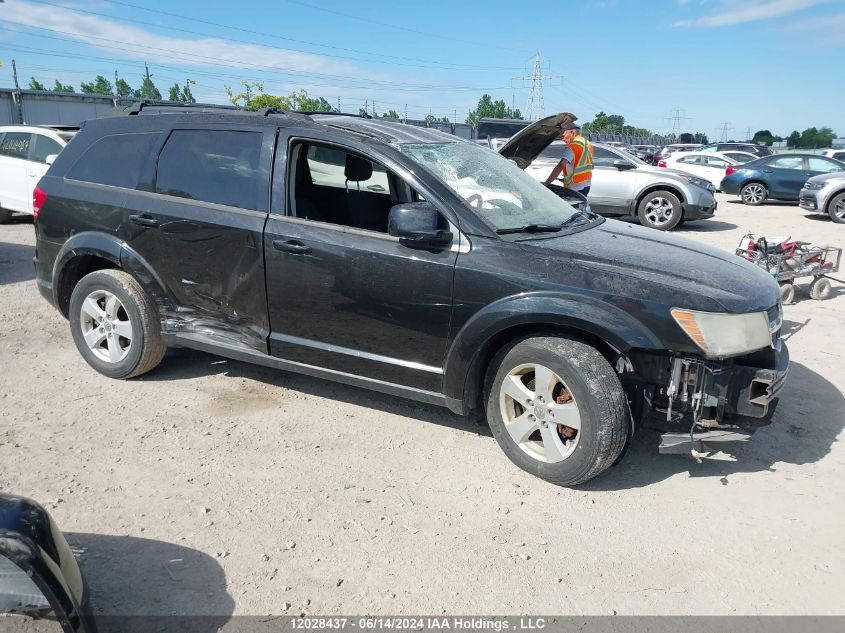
115,83
18,96
374,108
748,134
535,107
406,113
366,107
338,103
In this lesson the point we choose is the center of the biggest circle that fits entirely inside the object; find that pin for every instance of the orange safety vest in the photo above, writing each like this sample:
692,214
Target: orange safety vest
582,163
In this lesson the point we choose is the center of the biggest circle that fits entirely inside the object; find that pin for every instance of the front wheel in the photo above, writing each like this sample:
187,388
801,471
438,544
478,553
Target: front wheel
820,289
836,208
115,325
557,409
787,292
660,210
753,194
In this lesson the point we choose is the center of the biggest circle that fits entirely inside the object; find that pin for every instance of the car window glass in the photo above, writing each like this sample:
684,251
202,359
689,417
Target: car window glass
839,156
43,147
603,157
217,166
16,144
788,162
715,161
114,160
822,165
328,169
553,153
689,159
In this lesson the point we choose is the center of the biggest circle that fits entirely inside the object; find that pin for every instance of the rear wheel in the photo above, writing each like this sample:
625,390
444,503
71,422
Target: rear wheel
836,208
820,289
557,409
660,210
115,325
754,193
787,292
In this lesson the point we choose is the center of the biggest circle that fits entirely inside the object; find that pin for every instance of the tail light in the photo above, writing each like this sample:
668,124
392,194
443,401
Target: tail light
38,200
661,163
731,170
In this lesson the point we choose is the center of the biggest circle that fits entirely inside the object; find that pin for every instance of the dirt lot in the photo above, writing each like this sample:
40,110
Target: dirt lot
215,487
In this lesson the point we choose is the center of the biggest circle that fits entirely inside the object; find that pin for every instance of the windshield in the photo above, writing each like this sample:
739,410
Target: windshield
499,192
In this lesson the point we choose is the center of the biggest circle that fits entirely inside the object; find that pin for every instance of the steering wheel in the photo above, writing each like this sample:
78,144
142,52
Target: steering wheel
476,197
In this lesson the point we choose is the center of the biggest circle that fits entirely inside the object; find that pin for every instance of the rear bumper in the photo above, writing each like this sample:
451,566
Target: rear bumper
45,285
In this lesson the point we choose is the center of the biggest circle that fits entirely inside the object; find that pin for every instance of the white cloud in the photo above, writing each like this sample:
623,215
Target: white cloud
732,13
827,29
139,44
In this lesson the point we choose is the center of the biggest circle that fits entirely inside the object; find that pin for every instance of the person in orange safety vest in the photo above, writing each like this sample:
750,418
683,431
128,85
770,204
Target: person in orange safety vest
576,165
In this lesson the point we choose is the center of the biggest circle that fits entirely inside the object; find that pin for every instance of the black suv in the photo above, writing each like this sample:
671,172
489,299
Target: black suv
407,261
733,146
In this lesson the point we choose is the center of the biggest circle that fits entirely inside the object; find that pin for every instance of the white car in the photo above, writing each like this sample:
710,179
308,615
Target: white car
26,151
836,154
711,165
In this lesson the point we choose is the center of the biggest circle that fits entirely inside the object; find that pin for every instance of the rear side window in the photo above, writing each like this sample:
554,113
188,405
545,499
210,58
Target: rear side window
15,144
43,147
114,160
788,162
217,166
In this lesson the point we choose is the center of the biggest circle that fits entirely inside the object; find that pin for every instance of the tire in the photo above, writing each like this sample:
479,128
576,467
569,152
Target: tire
753,194
836,208
787,293
5,216
660,210
820,289
530,432
106,305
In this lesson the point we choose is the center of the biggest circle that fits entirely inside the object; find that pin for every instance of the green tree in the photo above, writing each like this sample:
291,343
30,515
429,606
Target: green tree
60,87
765,137
616,121
148,89
34,84
487,108
100,86
253,97
390,114
123,89
794,139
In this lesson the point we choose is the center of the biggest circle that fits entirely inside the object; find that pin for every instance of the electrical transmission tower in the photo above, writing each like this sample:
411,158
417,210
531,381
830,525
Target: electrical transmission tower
535,109
726,127
676,119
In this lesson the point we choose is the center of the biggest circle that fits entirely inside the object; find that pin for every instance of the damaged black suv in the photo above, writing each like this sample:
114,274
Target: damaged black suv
407,261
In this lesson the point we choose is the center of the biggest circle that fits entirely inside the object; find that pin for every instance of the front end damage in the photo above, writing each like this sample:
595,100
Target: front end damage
702,405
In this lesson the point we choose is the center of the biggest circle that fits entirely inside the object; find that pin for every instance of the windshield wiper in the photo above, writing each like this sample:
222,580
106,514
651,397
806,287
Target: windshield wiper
531,228
578,215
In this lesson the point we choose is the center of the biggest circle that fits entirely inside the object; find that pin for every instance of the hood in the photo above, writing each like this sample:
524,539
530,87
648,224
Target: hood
648,265
836,175
524,146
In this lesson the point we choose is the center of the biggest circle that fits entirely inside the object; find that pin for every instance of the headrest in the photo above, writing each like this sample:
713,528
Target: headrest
357,169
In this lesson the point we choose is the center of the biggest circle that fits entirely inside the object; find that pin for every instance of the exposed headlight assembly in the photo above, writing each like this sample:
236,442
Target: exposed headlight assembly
699,182
815,186
720,334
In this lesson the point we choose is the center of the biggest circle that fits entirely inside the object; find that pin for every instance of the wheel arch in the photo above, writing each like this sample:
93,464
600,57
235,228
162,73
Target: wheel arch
671,188
604,327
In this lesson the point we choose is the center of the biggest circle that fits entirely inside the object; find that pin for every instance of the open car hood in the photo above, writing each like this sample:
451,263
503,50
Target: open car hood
524,146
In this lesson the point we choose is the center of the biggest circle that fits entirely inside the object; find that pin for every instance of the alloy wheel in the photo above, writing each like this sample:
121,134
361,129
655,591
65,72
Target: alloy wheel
659,211
839,209
753,194
540,413
105,326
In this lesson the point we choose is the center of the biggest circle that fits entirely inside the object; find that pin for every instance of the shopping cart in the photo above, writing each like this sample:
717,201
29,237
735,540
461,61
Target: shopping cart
787,260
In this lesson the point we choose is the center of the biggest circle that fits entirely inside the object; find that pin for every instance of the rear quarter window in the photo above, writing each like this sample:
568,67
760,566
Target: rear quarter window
16,144
114,160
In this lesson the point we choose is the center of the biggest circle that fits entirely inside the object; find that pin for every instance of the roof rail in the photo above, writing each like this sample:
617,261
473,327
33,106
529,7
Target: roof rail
137,106
349,114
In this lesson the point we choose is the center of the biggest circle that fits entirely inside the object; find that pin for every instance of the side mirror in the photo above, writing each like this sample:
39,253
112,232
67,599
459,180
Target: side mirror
51,158
623,165
39,576
417,223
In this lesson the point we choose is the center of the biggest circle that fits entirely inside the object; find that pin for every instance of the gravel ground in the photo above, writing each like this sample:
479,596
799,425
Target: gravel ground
215,487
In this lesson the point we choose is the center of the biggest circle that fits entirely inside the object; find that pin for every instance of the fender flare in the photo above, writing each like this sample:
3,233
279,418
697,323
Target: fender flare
587,314
116,251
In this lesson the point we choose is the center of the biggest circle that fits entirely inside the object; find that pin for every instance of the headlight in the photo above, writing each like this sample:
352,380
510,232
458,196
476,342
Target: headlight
815,186
699,182
719,334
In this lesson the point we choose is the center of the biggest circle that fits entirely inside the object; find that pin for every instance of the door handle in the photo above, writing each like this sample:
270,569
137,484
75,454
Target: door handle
32,173
768,171
144,220
291,246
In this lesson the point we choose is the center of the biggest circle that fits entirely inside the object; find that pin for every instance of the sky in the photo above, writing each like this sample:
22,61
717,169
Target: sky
719,66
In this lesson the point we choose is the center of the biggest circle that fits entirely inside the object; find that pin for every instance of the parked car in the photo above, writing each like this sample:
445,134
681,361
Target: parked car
837,154
26,152
623,185
467,284
664,152
752,148
40,580
711,167
779,177
825,193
